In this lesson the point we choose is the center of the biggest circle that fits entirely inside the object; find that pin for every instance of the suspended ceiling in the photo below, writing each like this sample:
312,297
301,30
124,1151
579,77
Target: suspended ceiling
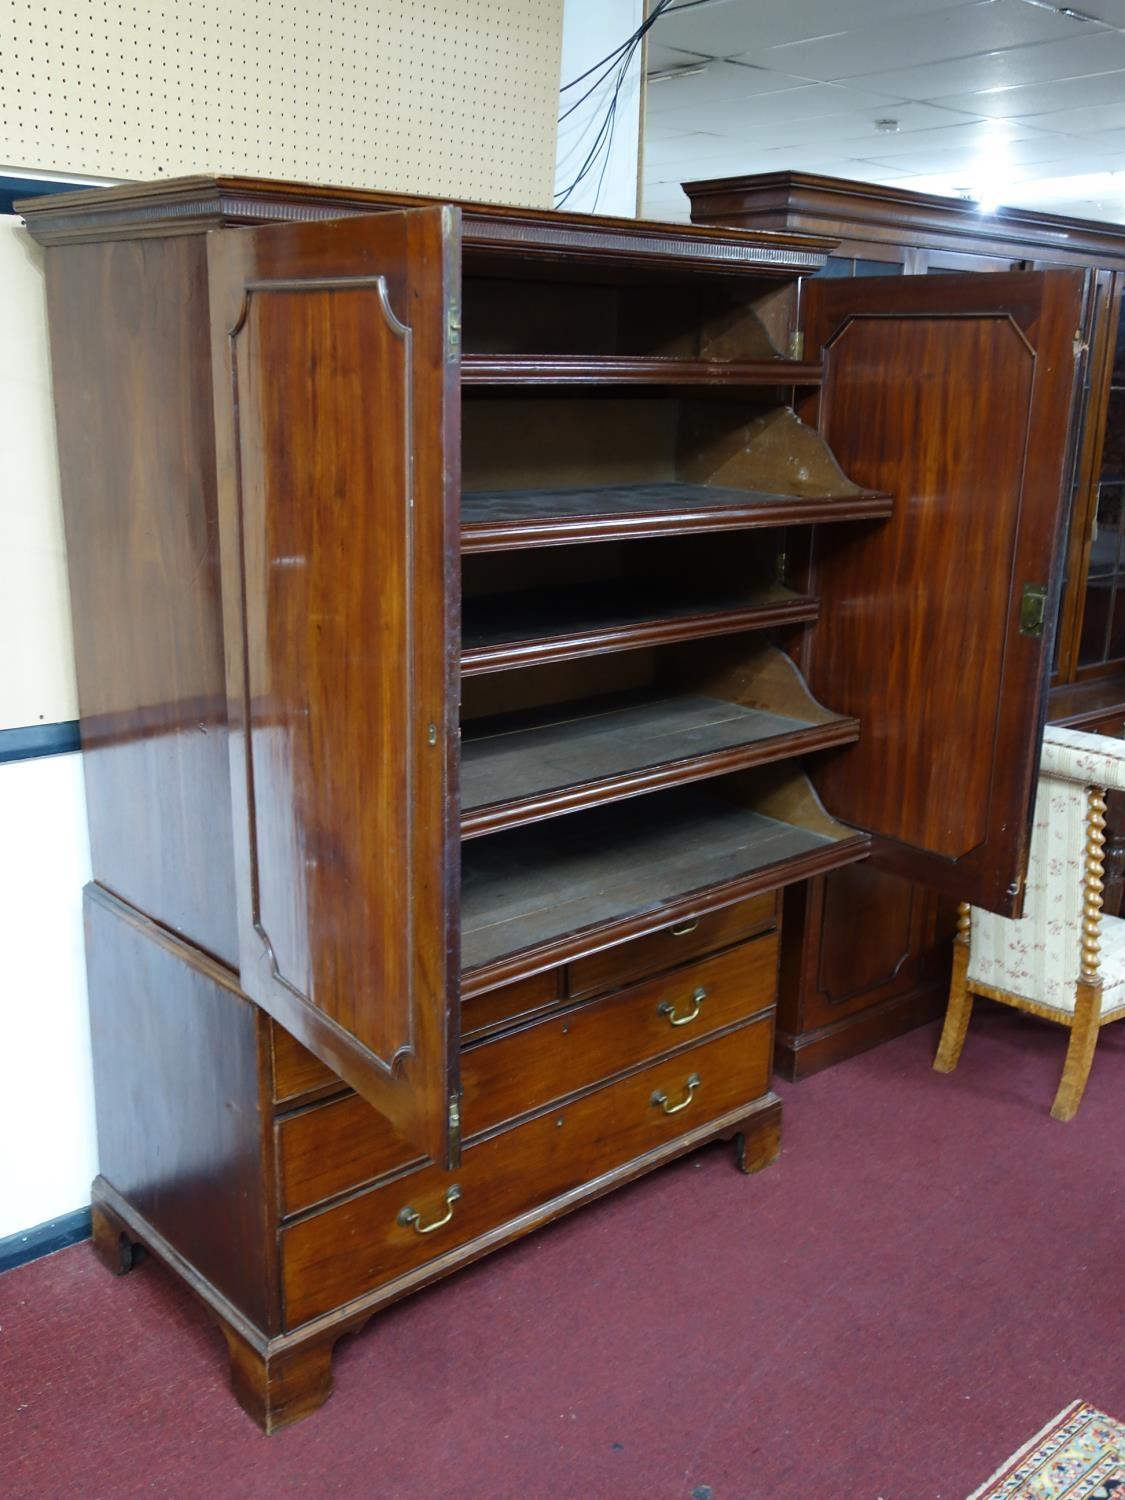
1018,102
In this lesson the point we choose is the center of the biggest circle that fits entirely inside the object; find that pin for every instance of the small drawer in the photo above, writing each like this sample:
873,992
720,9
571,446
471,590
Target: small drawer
672,945
377,1236
345,1143
511,1002
296,1072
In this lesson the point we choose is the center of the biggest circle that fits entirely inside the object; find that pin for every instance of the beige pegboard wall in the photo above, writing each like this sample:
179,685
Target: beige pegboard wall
454,97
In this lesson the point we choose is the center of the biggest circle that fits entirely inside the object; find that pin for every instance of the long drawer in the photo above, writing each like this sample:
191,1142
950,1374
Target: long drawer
376,1236
344,1143
297,1073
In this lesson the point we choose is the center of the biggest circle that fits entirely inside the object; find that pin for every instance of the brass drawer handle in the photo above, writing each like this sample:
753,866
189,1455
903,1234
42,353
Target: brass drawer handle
660,1098
666,1008
684,928
411,1216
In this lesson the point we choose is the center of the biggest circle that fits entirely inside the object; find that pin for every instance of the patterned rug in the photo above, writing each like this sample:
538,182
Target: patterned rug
1078,1456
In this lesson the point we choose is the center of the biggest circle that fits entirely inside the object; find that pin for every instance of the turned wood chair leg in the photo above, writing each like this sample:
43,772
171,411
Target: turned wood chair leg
1088,991
1080,1051
960,1007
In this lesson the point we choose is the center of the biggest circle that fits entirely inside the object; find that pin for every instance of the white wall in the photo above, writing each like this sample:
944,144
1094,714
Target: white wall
591,30
48,1155
36,662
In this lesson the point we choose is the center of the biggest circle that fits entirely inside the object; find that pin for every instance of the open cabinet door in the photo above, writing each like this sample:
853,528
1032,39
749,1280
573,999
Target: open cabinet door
936,627
336,409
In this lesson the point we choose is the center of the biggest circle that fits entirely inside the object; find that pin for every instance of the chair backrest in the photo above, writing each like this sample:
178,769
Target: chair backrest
1039,955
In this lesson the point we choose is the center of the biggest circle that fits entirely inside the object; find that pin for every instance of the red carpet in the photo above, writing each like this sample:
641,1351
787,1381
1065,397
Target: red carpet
932,1271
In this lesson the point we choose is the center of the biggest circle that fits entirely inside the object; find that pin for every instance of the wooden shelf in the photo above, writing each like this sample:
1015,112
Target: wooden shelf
1077,704
544,625
502,520
532,897
632,369
576,757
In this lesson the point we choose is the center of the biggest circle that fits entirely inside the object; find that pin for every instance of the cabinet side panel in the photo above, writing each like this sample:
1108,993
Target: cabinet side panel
130,352
178,1059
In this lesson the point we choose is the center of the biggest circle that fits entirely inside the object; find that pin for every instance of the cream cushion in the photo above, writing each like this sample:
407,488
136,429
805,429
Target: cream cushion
1038,957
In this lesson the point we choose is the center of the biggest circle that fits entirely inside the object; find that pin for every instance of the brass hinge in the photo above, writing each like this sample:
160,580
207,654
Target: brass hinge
455,1125
797,345
1033,610
453,332
1081,346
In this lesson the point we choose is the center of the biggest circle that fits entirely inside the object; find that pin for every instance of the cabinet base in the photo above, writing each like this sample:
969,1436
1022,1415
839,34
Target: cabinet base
800,1055
280,1379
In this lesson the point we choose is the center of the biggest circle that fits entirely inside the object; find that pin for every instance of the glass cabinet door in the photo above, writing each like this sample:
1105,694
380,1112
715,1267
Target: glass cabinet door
1102,635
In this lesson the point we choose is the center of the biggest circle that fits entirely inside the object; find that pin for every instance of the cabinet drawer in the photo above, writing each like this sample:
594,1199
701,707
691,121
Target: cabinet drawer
672,945
345,1143
371,1239
297,1072
510,1002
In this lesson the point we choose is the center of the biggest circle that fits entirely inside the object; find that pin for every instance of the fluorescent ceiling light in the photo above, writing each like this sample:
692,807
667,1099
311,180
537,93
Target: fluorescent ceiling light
679,70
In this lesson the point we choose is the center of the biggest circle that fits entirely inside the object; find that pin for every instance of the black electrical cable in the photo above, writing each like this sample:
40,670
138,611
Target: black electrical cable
597,83
605,129
617,51
608,58
606,132
620,58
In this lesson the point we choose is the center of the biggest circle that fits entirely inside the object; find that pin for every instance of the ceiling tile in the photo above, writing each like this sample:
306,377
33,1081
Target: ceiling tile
1094,52
975,139
942,156
901,41
721,164
717,81
855,134
726,27
1103,140
1086,121
1091,161
1041,98
669,57
806,103
1110,11
674,149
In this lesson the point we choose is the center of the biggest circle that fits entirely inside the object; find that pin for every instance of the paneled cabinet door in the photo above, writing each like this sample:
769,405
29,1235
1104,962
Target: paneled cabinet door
955,394
336,407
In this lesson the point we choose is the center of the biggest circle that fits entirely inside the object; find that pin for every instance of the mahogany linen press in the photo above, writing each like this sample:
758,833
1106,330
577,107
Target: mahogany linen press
480,615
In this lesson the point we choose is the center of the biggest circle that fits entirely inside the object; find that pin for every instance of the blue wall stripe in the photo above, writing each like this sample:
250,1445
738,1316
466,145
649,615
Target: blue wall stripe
13,188
39,739
44,1239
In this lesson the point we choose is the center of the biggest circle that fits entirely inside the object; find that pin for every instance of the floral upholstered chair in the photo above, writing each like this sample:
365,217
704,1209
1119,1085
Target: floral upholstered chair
1062,959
